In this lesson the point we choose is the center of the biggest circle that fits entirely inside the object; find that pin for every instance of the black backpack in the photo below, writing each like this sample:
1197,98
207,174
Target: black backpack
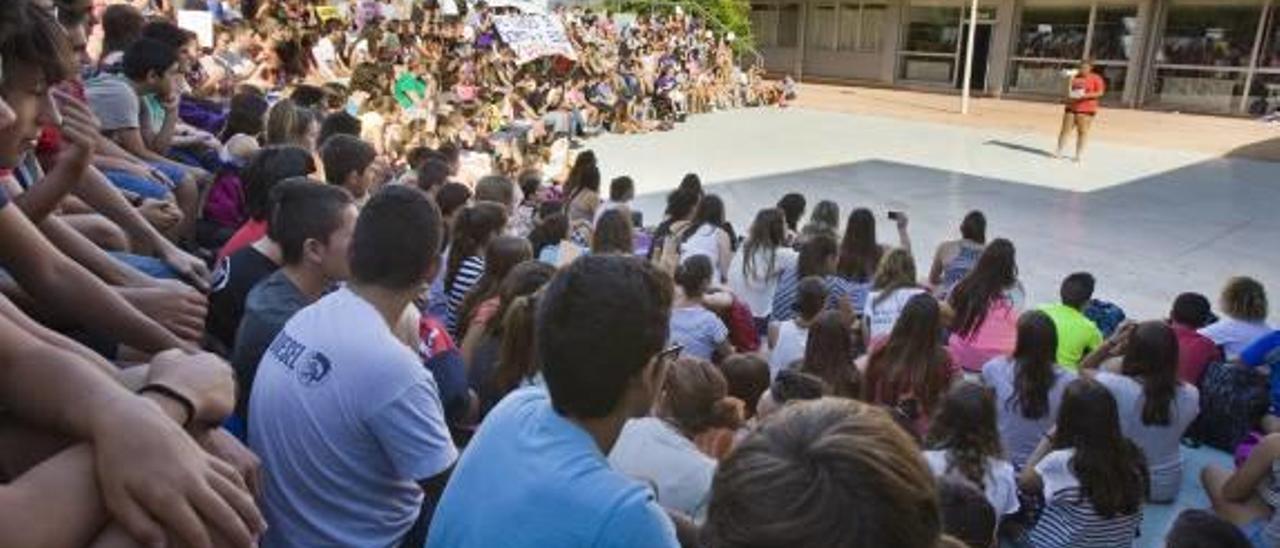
1232,401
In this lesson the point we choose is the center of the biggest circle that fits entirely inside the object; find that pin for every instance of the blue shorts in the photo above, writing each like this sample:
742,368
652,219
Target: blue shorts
176,174
150,266
142,186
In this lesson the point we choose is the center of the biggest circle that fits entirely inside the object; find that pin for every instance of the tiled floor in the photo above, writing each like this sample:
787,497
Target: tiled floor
1148,223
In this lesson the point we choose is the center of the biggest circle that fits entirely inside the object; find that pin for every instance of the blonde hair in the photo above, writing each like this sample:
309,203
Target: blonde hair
1244,298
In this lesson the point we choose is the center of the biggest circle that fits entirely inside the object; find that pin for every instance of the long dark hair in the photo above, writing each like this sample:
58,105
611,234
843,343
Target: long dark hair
472,230
269,166
516,354
996,271
710,213
815,256
912,359
613,234
768,233
500,257
247,115
829,354
1152,357
1033,361
965,427
1111,469
859,251
586,159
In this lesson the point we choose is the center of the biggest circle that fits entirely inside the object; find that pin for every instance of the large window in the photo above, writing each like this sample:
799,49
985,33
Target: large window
764,24
1052,31
1114,32
1205,57
1054,35
821,33
1210,33
789,26
933,29
861,26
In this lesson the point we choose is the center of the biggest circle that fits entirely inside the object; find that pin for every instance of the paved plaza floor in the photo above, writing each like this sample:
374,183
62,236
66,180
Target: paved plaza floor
1148,222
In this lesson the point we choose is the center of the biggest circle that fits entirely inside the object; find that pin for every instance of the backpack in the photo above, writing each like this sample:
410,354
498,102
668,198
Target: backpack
1107,316
1232,400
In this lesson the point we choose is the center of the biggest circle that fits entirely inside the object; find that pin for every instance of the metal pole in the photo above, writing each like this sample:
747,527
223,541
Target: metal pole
968,57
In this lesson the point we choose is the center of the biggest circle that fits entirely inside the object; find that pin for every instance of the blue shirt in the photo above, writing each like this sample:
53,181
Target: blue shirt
531,478
1266,351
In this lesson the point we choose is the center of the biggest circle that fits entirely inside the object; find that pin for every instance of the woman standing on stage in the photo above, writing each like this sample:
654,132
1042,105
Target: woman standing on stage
1082,105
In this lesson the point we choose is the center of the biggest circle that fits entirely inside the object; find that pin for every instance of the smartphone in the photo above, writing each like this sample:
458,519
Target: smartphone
895,215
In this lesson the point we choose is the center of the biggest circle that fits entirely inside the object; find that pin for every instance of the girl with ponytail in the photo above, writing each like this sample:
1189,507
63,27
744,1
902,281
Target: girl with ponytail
963,440
661,450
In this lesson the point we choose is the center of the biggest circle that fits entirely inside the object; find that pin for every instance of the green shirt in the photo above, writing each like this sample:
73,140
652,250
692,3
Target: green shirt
1076,334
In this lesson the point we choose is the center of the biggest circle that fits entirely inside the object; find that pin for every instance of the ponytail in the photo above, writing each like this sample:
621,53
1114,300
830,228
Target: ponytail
517,355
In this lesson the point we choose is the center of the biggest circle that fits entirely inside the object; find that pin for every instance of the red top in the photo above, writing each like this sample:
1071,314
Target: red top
251,231
1091,84
1195,352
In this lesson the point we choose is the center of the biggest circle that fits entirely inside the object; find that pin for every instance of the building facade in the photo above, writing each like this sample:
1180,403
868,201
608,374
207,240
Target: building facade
1210,56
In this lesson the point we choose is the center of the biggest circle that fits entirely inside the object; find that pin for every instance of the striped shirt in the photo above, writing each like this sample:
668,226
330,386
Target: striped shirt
784,298
469,272
839,287
1069,519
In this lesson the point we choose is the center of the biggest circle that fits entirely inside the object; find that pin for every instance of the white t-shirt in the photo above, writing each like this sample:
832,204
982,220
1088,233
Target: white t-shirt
652,451
1018,434
792,340
1234,335
757,290
706,241
1000,485
346,421
881,317
326,55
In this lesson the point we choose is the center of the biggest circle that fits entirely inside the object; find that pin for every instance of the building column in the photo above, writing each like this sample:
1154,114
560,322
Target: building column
895,18
1001,45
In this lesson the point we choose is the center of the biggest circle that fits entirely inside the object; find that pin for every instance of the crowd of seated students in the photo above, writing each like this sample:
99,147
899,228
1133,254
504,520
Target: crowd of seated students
391,355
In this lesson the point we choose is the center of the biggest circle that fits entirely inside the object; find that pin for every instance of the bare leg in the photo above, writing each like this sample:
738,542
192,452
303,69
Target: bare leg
1068,123
1240,513
1271,424
99,230
1084,123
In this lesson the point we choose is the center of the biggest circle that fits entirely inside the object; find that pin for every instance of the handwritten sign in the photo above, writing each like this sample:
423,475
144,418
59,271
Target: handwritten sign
532,36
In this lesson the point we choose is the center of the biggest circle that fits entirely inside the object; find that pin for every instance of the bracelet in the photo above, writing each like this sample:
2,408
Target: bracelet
174,395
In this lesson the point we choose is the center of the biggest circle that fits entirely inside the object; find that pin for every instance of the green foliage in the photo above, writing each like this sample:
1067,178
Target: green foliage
722,16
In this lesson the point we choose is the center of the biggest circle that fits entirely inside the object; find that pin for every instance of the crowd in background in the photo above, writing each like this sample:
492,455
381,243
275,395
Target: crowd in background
248,304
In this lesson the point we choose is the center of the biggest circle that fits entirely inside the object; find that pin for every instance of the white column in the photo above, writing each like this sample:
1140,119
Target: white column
968,57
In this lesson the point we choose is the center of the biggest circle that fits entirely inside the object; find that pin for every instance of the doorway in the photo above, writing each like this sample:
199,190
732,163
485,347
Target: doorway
981,54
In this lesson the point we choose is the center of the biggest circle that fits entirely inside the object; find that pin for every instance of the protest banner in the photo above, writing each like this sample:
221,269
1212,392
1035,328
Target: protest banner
532,36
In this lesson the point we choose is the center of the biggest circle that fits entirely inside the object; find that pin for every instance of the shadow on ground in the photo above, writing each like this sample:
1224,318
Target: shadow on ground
1268,150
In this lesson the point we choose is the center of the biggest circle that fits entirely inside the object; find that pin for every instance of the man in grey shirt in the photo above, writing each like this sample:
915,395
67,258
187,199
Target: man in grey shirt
313,223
